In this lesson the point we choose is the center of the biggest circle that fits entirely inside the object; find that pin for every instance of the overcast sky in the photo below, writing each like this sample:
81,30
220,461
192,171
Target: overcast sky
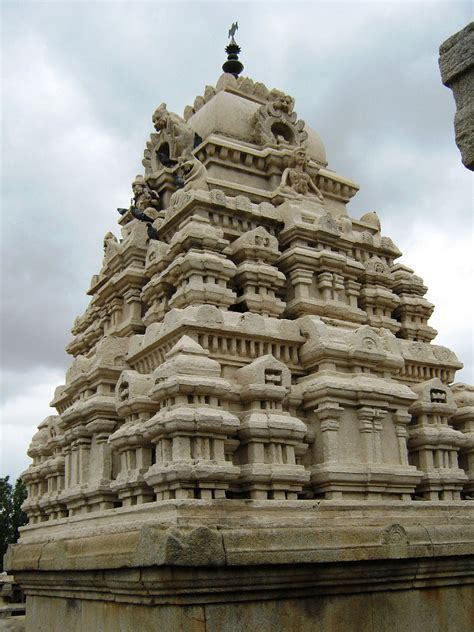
80,81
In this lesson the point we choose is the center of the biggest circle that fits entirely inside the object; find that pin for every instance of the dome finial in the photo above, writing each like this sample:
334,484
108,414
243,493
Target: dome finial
233,65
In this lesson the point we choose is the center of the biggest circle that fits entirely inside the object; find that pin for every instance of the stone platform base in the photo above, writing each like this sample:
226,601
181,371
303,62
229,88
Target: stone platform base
443,609
226,566
379,598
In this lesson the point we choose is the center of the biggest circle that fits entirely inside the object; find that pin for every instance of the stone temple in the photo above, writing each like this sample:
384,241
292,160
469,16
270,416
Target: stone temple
256,431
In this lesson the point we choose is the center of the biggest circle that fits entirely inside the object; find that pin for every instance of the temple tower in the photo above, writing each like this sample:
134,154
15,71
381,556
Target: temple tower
256,431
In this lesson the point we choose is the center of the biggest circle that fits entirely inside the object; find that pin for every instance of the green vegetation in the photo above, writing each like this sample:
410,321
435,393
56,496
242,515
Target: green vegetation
11,515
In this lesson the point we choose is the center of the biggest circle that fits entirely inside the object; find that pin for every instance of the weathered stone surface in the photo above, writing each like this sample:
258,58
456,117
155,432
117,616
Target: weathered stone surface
13,624
376,597
456,62
427,610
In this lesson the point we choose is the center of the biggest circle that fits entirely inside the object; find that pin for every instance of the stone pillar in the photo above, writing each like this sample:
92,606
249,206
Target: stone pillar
378,417
67,451
402,419
370,427
365,415
329,415
82,446
301,280
114,310
325,285
456,62
133,300
353,291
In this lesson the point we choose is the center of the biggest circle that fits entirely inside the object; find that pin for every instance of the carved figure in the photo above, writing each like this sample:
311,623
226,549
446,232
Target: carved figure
110,246
275,122
280,102
145,202
194,174
110,240
176,138
295,178
143,196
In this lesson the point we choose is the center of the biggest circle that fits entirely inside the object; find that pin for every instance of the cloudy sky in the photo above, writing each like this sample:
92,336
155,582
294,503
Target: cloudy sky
79,83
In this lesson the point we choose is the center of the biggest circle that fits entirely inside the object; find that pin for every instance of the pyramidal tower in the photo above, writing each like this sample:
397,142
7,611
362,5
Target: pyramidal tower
256,430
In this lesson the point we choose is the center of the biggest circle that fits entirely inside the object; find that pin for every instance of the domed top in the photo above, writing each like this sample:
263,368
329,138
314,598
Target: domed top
232,111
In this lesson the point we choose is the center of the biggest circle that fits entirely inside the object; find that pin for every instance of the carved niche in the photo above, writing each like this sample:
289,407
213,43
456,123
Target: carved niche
276,123
174,139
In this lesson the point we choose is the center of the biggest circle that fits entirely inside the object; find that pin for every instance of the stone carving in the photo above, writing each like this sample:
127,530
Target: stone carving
218,196
271,439
110,246
201,469
144,198
463,421
276,123
434,444
194,174
395,534
295,180
243,203
413,310
257,279
376,295
200,546
328,223
176,138
144,204
375,265
372,219
366,237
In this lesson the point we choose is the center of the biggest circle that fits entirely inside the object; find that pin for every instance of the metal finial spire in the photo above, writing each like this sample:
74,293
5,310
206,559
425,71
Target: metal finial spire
233,65
232,31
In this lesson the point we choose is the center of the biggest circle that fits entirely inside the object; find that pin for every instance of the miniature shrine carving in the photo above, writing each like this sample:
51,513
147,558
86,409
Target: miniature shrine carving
276,123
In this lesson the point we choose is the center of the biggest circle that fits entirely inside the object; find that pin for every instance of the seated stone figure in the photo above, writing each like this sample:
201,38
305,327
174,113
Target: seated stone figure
144,198
111,245
194,174
296,180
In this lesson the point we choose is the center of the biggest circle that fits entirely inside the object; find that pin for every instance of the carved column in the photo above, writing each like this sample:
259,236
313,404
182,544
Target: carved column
365,415
101,430
338,287
82,447
301,281
329,415
353,291
402,419
325,285
133,300
114,310
67,450
379,414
